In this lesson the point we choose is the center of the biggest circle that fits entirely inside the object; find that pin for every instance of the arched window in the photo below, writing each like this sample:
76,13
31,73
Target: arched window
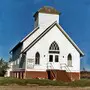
37,58
54,46
54,52
69,60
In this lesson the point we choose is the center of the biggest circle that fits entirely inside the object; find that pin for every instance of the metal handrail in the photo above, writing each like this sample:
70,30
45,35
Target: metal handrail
66,68
65,65
51,67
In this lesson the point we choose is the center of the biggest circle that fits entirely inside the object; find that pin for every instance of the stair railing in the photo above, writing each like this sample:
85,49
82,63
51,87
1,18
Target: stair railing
50,66
64,65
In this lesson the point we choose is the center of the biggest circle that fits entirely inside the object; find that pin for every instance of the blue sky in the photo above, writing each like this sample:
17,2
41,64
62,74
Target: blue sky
16,21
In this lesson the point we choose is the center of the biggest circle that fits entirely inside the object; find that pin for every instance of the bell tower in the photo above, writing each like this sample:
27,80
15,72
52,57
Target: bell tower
45,16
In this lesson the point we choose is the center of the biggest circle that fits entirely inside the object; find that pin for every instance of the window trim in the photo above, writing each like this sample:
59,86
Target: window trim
57,52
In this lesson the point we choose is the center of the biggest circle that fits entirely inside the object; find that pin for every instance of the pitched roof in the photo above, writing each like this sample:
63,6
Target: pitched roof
20,43
46,31
47,9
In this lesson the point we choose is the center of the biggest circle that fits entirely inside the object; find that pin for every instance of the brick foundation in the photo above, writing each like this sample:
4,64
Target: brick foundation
17,74
74,75
36,74
60,75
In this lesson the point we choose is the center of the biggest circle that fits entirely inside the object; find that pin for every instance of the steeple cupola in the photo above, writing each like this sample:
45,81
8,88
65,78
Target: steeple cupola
46,16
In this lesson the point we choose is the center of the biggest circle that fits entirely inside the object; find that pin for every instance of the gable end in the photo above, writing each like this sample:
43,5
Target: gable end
47,30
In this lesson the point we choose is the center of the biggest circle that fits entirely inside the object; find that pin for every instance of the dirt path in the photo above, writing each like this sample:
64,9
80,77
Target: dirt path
40,88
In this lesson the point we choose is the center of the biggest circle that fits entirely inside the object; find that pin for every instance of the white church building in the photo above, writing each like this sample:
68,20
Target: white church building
47,52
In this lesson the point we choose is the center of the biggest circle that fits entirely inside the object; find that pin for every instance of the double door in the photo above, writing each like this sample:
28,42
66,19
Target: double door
54,61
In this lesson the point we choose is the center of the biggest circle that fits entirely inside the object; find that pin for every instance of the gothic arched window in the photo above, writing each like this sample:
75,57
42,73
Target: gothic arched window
37,58
54,52
69,60
54,46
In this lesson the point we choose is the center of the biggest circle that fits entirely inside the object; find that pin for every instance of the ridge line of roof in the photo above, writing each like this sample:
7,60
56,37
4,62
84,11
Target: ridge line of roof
30,34
21,41
69,38
66,35
38,36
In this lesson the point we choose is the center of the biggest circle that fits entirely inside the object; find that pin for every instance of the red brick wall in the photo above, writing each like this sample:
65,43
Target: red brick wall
74,75
63,76
36,74
17,74
60,75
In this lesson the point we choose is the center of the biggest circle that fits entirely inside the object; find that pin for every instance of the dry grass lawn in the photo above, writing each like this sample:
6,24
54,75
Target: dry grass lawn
41,88
36,84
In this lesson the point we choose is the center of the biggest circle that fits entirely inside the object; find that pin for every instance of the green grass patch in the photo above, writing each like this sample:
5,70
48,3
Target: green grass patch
80,83
12,81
